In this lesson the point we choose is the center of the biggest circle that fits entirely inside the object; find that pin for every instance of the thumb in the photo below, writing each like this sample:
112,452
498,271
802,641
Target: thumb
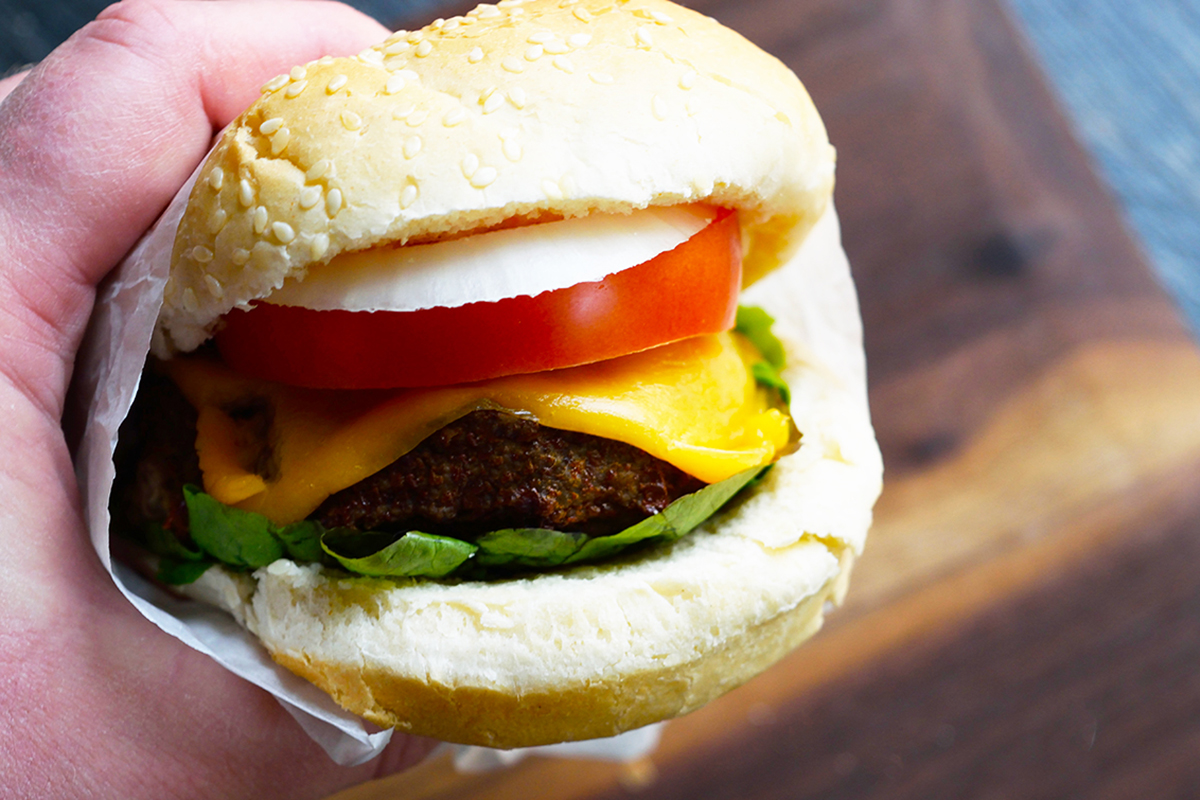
96,140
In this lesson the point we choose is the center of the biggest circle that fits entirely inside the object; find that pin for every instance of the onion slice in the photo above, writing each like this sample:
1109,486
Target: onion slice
496,265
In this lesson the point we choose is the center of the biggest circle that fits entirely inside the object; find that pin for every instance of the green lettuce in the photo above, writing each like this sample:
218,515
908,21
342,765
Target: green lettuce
178,564
246,540
540,548
382,555
755,324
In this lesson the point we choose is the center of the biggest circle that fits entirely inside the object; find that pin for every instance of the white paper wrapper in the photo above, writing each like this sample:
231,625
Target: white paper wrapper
108,370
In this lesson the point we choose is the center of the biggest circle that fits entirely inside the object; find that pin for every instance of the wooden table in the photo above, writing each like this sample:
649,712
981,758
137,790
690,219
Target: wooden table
1025,622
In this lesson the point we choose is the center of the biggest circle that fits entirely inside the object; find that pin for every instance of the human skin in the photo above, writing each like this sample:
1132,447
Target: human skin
94,700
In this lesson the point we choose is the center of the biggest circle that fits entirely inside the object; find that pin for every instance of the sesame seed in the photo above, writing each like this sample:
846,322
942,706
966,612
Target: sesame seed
325,61
534,52
279,141
260,219
454,117
283,232
437,24
310,196
513,64
416,37
409,75
396,48
333,202
461,20
372,57
214,286
400,34
217,221
202,254
424,48
298,73
688,79
190,304
600,77
579,39
412,146
512,149
318,246
451,24
487,11
270,126
393,64
494,102
240,256
408,195
216,179
295,89
516,12
556,47
509,3
540,37
516,96
470,164
351,121
644,37
659,107
416,118
486,93
551,189
476,55
318,170
661,18
335,83
564,63
394,84
275,84
404,110
245,193
582,14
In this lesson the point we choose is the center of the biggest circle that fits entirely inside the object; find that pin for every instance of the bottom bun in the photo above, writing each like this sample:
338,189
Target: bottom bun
577,655
596,650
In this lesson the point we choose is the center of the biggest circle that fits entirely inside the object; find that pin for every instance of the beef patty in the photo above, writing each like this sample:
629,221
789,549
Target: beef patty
485,471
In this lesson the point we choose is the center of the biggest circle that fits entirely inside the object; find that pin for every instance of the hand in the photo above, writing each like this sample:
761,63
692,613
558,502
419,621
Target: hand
94,142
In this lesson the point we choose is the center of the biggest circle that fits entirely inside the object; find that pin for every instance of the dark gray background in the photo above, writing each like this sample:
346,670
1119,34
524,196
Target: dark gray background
1128,73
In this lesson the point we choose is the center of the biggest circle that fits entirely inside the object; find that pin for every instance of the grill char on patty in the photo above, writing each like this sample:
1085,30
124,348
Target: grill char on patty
485,471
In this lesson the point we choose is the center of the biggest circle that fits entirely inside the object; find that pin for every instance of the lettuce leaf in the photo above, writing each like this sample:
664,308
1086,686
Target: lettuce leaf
178,573
178,564
541,548
755,324
232,536
414,554
246,540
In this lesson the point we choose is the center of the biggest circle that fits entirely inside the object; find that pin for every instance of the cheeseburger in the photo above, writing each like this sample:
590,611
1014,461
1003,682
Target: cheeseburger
458,403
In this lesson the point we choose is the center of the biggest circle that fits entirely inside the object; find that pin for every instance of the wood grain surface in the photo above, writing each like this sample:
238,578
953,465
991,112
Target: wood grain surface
1025,622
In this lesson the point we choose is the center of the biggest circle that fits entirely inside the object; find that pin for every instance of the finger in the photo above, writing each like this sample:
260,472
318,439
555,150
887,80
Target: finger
100,135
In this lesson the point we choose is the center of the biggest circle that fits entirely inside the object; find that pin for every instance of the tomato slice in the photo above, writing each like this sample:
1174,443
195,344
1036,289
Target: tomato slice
683,292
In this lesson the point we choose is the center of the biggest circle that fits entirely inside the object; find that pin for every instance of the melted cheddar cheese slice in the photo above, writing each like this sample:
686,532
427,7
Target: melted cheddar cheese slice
694,404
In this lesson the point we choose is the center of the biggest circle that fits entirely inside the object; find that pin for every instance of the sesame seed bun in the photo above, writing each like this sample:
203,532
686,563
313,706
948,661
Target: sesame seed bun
524,109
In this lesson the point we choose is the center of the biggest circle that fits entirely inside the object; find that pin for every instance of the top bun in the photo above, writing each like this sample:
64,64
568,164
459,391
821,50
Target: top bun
532,110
